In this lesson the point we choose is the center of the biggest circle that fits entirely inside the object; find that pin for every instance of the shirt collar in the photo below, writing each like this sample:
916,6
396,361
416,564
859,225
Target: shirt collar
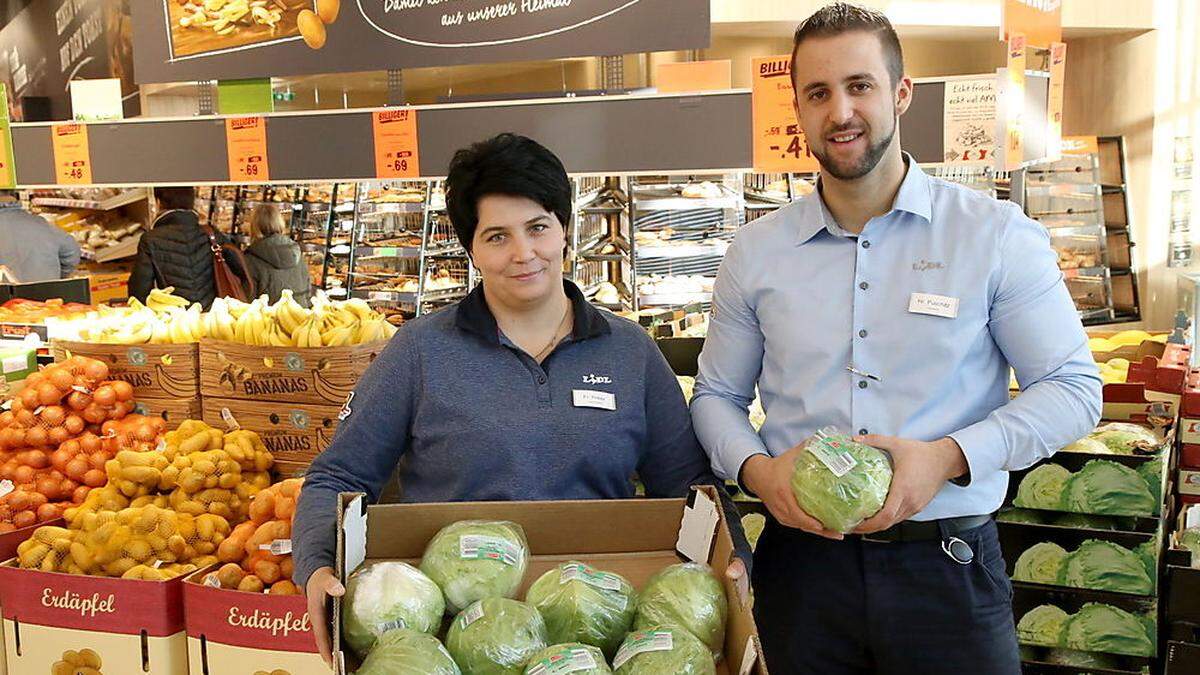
912,197
474,316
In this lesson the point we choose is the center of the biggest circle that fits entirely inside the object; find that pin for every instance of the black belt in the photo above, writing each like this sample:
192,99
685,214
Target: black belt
912,530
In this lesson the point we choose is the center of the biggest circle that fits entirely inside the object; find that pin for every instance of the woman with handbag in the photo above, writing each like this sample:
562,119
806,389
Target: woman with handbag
197,261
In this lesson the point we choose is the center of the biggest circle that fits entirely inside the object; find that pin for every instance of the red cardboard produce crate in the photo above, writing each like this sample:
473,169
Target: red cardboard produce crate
58,616
235,632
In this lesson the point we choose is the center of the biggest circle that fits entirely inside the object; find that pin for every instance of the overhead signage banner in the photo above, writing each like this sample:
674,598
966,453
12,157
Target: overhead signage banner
234,39
1040,21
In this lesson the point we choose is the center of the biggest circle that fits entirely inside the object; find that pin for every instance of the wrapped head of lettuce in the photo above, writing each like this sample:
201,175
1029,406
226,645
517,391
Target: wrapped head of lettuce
841,499
496,636
1022,516
473,559
1148,553
572,657
1105,566
1107,488
1152,472
1043,488
1098,627
1123,438
1086,522
1040,564
408,652
1189,538
663,650
582,604
685,596
1043,626
385,596
1088,445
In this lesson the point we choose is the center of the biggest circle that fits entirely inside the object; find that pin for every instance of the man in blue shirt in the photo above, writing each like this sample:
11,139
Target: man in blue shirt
890,305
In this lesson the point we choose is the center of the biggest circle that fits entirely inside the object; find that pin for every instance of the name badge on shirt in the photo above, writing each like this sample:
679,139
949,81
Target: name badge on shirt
587,398
933,305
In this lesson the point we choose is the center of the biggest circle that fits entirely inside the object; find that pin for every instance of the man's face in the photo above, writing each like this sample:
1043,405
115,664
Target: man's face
846,103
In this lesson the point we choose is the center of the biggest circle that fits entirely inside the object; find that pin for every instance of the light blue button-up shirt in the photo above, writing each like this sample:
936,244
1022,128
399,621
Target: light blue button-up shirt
799,300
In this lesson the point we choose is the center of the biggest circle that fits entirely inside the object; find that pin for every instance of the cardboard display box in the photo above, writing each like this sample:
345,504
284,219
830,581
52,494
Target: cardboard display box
323,376
234,632
155,371
295,433
632,537
173,411
131,626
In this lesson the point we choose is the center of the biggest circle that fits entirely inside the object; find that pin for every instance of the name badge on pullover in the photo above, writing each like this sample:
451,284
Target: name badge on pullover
587,398
933,305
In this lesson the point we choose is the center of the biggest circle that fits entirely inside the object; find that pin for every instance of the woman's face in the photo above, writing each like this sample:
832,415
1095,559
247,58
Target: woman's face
518,248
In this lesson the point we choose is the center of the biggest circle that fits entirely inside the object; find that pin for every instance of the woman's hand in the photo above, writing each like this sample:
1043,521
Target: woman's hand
322,585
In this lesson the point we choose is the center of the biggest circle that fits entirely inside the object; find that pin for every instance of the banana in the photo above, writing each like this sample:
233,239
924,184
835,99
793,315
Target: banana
358,307
161,333
161,299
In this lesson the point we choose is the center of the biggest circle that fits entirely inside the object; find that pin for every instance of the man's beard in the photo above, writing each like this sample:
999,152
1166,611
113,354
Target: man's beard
865,165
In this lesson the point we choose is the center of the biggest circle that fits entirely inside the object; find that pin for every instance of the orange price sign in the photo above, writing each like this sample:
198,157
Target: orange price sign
246,145
1058,74
779,144
396,145
72,158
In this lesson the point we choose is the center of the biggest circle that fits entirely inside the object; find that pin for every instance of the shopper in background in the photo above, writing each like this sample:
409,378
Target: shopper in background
31,248
177,252
274,258
482,401
888,304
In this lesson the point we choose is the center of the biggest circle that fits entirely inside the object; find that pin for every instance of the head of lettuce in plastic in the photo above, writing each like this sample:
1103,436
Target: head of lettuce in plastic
510,171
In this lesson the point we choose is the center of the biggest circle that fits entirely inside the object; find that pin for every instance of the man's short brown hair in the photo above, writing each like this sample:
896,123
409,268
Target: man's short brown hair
843,17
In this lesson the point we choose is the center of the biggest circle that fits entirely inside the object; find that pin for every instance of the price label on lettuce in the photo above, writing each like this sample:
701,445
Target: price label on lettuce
831,449
590,576
563,662
482,547
642,642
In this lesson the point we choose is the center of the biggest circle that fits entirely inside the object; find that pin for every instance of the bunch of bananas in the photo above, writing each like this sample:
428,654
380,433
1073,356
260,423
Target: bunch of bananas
165,319
328,323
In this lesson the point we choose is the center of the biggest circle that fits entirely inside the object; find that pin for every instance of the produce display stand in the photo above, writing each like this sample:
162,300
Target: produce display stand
1152,396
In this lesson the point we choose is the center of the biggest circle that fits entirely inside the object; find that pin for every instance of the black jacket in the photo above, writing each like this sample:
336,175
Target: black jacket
275,264
176,252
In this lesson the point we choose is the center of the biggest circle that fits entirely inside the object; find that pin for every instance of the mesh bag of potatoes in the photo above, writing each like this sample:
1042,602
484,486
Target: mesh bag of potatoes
164,512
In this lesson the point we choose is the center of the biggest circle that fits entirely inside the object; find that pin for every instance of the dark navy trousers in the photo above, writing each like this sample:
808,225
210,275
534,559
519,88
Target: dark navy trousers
849,607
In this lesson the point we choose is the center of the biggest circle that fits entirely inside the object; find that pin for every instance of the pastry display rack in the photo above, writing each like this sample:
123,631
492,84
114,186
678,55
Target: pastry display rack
681,230
982,179
1066,197
321,229
601,242
107,223
383,249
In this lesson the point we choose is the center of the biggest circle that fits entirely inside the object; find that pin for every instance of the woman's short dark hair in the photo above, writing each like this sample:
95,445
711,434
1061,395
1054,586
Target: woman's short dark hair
507,164
176,197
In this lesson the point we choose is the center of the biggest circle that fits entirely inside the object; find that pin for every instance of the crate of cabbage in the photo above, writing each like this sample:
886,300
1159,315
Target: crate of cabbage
1121,485
1069,629
540,588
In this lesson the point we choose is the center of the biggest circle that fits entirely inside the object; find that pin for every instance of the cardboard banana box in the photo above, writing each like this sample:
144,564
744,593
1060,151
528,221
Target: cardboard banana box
154,371
295,433
321,376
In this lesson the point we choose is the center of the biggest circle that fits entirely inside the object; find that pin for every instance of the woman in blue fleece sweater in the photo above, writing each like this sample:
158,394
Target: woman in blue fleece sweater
522,391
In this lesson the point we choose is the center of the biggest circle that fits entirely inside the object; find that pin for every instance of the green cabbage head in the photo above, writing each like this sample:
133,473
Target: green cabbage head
1105,566
1084,521
1043,625
1151,472
568,659
1023,516
1089,445
662,650
384,596
1148,552
1190,539
686,596
408,652
1043,488
496,636
1123,438
1107,488
583,604
1040,564
1097,627
841,502
474,559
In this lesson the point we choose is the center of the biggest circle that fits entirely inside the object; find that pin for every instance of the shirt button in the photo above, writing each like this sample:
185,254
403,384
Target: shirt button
862,432
866,244
862,333
541,379
862,384
864,285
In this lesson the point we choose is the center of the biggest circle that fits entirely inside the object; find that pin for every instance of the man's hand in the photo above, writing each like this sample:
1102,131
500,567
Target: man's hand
736,572
320,587
920,470
770,478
